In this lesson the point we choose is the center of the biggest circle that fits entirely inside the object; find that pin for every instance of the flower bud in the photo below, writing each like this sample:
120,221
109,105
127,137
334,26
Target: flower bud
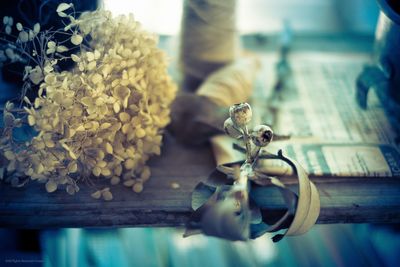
231,130
240,114
261,135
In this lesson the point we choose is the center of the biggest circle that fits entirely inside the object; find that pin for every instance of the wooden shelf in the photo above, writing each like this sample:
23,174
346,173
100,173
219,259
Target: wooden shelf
343,200
161,205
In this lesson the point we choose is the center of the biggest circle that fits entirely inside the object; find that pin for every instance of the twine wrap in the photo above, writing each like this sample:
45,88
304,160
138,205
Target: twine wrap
208,38
232,84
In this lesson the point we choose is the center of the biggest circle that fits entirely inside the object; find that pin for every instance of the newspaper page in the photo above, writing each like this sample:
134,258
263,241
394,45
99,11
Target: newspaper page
331,135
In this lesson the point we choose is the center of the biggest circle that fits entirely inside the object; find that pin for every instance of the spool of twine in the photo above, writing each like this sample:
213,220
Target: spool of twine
231,84
208,39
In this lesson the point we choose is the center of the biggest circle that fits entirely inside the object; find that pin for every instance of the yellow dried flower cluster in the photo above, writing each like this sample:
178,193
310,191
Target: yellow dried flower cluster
104,118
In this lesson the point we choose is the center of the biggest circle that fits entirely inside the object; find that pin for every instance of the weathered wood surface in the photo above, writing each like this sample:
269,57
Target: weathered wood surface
159,204
342,200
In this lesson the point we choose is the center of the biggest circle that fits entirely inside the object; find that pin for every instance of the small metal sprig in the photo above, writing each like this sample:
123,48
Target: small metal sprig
236,126
228,213
222,203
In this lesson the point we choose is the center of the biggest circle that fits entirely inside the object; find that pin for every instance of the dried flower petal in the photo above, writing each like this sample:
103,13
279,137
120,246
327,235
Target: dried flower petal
9,106
90,56
129,182
115,180
5,20
61,49
97,78
109,148
51,44
36,75
8,29
140,133
36,28
19,26
138,187
75,58
145,175
96,171
96,194
124,117
70,189
31,120
9,155
116,107
129,164
62,7
76,39
107,196
51,186
73,167
23,36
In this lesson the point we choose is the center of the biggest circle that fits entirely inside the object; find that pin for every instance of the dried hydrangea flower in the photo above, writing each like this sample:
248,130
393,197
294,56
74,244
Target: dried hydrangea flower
103,118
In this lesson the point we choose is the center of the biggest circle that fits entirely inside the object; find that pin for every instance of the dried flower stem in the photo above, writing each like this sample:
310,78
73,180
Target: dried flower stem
247,142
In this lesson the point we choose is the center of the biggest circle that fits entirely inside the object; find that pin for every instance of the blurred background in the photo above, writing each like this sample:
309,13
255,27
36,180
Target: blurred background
324,245
263,16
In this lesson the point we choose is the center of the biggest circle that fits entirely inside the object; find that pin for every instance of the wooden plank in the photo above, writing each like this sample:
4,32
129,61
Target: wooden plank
343,200
350,201
159,204
353,200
